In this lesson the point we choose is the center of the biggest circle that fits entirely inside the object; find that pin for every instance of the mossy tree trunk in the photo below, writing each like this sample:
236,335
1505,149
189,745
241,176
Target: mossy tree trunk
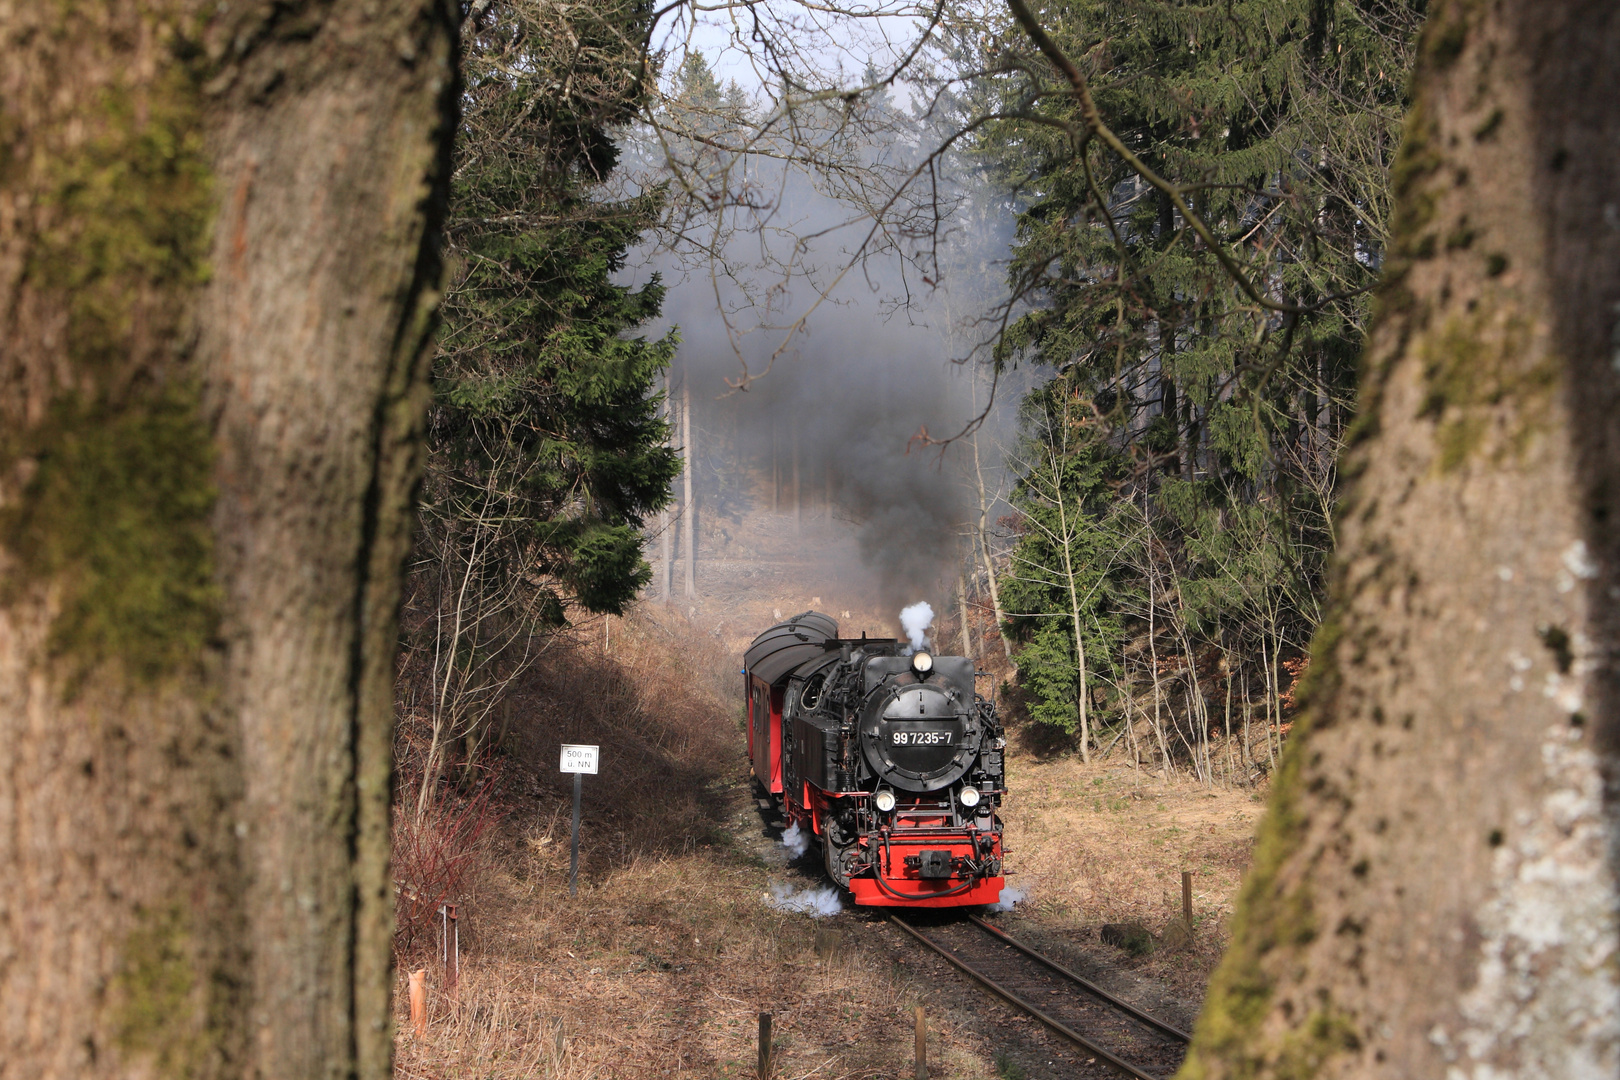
217,257
1434,891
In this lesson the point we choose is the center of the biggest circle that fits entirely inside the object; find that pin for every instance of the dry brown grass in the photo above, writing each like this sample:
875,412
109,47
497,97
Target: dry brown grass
661,965
660,970
1105,843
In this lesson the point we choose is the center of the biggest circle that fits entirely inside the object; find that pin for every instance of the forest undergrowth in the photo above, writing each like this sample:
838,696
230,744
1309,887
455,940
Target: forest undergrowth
677,939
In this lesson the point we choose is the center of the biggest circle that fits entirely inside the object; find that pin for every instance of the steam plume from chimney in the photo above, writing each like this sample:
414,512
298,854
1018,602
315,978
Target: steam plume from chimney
915,621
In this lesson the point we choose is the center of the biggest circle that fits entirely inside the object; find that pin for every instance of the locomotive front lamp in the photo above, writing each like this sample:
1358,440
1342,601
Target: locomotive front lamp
969,796
884,800
921,662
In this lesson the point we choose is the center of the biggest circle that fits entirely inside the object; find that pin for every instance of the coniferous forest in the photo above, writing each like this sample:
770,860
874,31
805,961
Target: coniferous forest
1168,471
1177,479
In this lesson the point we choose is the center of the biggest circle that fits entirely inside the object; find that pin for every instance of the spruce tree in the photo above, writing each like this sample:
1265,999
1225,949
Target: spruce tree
1277,119
544,415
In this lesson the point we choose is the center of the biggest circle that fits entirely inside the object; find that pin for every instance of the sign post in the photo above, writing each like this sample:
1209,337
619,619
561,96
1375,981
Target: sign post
578,760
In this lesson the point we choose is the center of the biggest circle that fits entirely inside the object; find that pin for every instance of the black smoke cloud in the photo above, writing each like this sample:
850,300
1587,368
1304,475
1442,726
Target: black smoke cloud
859,391
858,385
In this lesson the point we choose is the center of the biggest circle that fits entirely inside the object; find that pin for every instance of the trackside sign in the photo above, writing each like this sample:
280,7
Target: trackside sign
579,759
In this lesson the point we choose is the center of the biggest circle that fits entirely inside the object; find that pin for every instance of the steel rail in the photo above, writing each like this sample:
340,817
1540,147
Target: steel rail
1090,987
1024,1006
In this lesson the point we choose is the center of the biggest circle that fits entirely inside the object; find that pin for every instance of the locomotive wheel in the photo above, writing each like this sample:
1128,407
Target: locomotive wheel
836,842
833,856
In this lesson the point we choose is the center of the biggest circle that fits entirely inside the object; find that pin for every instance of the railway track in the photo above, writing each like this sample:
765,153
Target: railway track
1117,1032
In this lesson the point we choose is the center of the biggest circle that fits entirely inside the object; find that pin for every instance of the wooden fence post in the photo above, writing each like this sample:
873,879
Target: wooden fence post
450,948
922,1045
764,1046
418,990
1186,897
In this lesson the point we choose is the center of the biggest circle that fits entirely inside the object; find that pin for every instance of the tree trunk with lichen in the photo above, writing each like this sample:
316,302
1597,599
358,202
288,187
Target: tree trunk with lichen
216,270
1434,888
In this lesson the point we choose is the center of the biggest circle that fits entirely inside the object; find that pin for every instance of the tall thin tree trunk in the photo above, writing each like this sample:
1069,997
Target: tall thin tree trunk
984,555
798,501
1274,672
1130,712
1265,658
1435,885
1169,397
666,562
984,537
1321,456
1231,765
962,605
688,505
1248,716
219,226
1066,543
1158,689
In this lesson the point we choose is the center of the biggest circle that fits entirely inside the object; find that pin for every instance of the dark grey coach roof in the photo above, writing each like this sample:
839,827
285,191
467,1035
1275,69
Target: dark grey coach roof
788,644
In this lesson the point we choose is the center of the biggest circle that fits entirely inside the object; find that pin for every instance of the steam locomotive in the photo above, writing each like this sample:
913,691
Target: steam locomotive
886,755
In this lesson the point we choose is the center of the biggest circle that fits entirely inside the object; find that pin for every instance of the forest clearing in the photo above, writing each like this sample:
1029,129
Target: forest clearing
679,936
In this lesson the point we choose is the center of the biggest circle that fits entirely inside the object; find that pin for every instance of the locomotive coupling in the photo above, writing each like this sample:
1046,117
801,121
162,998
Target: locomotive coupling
931,864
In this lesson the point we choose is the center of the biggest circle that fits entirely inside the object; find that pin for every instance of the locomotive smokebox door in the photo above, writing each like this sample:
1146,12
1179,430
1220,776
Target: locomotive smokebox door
935,864
918,737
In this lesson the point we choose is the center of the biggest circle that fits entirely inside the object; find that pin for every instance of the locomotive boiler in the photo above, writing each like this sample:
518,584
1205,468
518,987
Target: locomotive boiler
886,755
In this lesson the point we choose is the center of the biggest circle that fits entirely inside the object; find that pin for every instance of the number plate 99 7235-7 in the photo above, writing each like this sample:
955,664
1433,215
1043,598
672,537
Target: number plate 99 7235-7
921,738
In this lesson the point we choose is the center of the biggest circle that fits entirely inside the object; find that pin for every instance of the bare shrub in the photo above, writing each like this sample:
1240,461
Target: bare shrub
436,858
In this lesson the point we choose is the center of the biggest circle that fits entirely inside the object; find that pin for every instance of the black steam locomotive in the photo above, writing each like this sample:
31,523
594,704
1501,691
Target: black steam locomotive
886,755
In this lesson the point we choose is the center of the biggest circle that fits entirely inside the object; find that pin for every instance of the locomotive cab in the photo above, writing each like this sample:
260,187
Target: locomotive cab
888,757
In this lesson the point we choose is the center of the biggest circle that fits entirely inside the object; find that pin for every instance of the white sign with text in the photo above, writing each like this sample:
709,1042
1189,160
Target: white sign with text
579,759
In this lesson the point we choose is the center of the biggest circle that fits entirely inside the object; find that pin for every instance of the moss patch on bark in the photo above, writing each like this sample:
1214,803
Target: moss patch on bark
1274,912
156,1011
117,519
133,204
1476,366
112,520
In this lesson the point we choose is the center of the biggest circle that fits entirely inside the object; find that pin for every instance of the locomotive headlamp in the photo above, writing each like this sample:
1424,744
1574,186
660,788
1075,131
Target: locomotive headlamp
921,662
969,796
884,800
